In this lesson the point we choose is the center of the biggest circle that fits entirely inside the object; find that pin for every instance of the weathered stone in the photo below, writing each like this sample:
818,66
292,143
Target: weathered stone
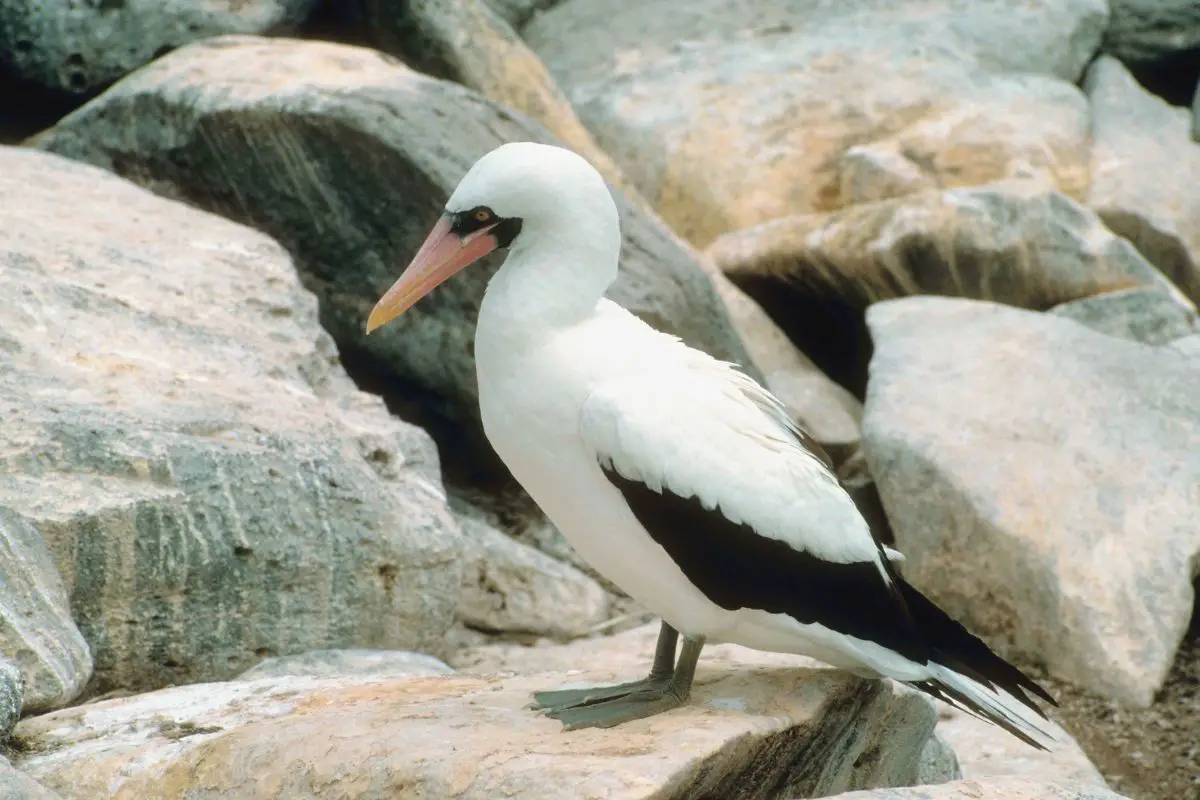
1041,479
12,687
16,785
1016,242
36,627
1143,314
347,157
511,587
211,486
965,93
79,48
939,763
992,789
382,664
1188,345
748,732
1145,169
1141,31
985,752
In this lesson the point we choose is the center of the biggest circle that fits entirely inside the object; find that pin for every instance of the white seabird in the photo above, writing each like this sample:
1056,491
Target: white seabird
674,474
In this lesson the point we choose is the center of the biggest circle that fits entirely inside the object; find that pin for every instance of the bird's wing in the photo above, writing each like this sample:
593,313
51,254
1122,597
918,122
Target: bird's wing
712,466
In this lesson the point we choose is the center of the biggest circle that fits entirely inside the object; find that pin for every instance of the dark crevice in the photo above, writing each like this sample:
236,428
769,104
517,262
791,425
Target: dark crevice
1172,78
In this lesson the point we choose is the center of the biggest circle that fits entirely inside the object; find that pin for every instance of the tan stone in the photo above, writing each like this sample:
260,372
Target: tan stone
991,789
748,729
726,115
1145,170
1042,480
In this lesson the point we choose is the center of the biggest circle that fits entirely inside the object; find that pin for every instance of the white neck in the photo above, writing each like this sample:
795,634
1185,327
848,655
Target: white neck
552,278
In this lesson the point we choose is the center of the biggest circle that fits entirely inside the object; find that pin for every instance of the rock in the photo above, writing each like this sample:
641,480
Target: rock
36,628
1017,242
510,587
211,486
963,95
16,785
78,48
12,686
985,752
1001,789
1145,171
1041,480
1188,345
349,167
1141,31
352,663
1143,314
939,763
748,731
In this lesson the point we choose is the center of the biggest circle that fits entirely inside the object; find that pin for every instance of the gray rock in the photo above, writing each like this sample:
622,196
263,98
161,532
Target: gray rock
1015,242
939,762
511,587
994,789
965,93
16,785
79,48
1188,345
211,486
1145,169
1142,31
384,664
12,687
36,627
1143,314
1041,480
350,167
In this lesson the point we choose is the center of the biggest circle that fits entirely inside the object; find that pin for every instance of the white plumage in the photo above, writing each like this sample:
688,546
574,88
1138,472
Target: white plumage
599,416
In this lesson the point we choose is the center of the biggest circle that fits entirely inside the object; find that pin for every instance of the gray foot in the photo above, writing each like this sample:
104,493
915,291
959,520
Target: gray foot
606,706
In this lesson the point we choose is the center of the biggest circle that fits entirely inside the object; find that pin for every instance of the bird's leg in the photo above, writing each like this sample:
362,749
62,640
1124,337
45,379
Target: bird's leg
645,699
660,672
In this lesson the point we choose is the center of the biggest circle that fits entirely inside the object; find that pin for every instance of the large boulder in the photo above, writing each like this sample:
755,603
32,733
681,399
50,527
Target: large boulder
347,158
992,789
1041,479
1145,170
1148,31
815,105
211,486
753,729
79,48
1016,242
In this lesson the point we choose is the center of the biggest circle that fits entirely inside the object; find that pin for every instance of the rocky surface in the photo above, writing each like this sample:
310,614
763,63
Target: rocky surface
1002,789
1145,169
1018,242
1064,460
378,664
1142,31
79,48
12,687
16,785
372,150
740,736
211,486
1143,314
37,630
927,95
510,587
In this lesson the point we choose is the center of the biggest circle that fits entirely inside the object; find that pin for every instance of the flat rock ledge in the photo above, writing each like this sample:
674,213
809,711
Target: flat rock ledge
752,729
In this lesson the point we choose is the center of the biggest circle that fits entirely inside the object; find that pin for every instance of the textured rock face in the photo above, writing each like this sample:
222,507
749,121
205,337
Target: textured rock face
211,486
1002,789
347,157
741,736
925,94
36,628
1062,459
378,664
1017,242
79,48
1141,31
1145,169
1143,314
16,785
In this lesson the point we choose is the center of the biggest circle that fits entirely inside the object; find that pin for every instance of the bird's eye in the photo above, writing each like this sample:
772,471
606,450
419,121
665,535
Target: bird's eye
483,215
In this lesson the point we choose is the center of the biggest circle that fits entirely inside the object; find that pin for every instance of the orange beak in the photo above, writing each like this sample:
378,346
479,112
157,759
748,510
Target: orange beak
443,254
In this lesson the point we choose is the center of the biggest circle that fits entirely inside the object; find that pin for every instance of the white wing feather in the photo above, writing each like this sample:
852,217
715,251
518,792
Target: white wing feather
700,427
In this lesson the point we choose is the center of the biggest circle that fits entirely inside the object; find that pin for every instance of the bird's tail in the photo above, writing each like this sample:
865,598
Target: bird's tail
968,675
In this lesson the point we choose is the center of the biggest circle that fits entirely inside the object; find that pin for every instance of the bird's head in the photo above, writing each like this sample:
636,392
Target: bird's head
517,192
